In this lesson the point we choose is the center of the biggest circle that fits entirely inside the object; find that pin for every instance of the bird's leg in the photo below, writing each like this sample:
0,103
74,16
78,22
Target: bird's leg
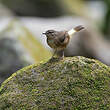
54,53
62,55
52,58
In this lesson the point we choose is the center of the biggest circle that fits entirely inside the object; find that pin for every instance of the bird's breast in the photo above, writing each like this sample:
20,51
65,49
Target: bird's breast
51,43
57,44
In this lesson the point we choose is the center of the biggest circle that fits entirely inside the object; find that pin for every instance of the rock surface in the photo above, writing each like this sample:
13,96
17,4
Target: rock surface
75,83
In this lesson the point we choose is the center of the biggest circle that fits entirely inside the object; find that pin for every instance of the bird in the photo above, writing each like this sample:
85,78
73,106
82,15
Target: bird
58,40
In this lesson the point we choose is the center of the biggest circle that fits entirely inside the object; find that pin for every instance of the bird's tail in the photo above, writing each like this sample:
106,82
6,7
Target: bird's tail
76,29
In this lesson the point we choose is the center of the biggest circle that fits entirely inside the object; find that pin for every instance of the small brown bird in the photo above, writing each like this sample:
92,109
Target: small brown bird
58,40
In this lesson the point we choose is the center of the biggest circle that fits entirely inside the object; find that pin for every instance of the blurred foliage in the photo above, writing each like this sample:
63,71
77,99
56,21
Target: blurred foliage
75,6
36,50
41,8
44,8
55,8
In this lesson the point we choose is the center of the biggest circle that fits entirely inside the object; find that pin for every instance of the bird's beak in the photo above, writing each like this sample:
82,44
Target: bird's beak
44,33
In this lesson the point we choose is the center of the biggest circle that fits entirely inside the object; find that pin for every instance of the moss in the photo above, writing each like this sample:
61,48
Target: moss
75,83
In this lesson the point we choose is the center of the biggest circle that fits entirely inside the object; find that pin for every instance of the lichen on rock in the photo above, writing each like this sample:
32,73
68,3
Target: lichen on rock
74,83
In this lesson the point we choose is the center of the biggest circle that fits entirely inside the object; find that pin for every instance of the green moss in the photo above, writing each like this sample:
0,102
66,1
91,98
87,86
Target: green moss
75,83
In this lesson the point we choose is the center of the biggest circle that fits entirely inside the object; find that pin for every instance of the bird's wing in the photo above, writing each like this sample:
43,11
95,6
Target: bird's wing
61,39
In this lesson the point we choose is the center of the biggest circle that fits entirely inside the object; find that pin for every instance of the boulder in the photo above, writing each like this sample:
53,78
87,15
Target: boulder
74,83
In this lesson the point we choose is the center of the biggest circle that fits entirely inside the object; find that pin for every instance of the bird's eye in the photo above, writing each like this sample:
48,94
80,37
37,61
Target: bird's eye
50,32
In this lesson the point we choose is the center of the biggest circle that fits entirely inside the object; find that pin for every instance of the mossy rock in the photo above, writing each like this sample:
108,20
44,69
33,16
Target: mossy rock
75,83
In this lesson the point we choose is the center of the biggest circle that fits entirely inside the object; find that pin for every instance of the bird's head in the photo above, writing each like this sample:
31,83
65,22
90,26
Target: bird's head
50,33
